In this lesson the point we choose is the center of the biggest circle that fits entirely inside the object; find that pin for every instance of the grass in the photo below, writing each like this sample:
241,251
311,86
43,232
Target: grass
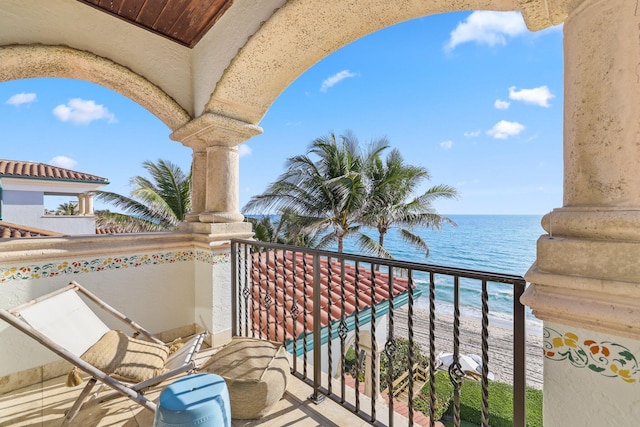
500,403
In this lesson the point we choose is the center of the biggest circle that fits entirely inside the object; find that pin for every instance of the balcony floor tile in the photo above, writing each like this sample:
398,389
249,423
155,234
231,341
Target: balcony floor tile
45,404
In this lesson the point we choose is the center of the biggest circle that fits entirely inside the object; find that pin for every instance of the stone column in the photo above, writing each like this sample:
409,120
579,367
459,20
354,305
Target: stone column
585,284
89,202
214,140
215,215
81,204
198,183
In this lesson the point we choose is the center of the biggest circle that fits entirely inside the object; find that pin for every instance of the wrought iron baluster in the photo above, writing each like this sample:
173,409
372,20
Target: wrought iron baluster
294,309
317,397
245,292
267,294
276,320
375,370
485,354
390,349
235,287
305,307
342,332
254,271
357,332
432,349
410,355
330,325
455,369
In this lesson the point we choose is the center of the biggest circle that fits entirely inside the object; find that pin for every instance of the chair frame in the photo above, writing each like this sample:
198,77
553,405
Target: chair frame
134,392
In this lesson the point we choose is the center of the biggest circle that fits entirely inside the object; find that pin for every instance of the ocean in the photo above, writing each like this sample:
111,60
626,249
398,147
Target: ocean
492,243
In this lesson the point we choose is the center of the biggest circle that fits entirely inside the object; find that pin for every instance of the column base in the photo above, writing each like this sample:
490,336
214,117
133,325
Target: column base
218,217
215,217
239,230
586,273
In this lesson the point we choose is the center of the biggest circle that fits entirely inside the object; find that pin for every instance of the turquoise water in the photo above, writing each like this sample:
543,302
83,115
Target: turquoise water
493,243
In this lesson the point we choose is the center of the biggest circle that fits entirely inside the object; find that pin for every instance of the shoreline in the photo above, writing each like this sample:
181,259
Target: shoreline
500,342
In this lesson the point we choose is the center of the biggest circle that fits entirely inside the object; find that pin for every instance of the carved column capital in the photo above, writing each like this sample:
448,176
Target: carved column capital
213,129
541,14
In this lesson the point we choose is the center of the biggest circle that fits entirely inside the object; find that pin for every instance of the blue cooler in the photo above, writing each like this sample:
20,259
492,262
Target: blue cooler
196,400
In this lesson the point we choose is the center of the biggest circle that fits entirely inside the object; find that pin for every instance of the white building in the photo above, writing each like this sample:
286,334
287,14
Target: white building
24,186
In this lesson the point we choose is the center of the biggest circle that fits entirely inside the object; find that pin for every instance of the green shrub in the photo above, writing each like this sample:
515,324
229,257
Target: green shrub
400,360
444,394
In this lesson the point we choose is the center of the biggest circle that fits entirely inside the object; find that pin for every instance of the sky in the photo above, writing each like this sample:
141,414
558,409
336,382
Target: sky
474,97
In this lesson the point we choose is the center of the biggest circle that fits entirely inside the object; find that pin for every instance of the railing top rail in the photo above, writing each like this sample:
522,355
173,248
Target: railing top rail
461,272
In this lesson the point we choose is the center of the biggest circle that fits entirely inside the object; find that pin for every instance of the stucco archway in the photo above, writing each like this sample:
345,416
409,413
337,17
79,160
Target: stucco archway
300,34
31,61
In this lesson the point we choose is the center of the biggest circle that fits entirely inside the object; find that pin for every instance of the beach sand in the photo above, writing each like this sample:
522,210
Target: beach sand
500,343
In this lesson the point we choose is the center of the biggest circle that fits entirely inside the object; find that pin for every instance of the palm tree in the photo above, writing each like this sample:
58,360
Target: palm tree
330,192
156,204
391,203
288,229
265,230
69,208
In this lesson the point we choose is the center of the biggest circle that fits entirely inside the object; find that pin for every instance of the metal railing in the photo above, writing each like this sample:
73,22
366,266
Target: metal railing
301,297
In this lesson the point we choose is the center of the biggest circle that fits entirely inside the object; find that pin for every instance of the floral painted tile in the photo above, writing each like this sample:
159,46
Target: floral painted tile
52,269
605,357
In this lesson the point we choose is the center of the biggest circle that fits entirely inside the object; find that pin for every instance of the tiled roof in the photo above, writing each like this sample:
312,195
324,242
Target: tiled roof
282,281
18,169
8,230
110,230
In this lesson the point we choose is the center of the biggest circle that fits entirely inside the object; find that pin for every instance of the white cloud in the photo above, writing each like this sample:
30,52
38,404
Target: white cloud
446,145
335,79
473,134
504,129
244,150
81,111
63,162
501,105
22,98
537,96
298,123
485,27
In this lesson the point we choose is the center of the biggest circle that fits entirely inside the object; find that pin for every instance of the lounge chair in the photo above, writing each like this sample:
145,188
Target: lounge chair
66,325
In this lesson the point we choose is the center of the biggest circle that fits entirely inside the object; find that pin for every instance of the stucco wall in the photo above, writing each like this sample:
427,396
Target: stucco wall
590,378
27,208
155,288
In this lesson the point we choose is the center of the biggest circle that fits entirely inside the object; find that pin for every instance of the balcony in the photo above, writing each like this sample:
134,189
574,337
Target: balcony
352,305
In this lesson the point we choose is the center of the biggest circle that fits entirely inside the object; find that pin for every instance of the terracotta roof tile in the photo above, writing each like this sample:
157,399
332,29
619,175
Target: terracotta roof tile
8,230
281,281
110,230
20,169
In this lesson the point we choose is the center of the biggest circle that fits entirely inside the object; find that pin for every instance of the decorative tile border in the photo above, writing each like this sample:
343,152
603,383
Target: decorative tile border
58,268
606,358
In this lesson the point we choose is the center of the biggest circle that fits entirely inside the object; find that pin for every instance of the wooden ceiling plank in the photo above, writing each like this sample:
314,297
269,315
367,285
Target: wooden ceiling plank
183,21
112,6
226,4
170,15
150,13
197,18
131,8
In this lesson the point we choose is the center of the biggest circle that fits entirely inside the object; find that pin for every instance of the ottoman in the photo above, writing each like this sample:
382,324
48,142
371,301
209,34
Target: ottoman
196,400
256,373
